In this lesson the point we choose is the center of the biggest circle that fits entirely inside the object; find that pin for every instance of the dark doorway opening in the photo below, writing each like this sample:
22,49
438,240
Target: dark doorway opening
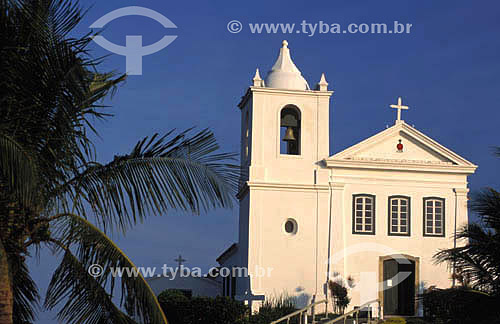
399,287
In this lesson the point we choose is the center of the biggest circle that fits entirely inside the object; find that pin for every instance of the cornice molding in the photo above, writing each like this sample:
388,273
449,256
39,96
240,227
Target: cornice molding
337,185
252,89
289,186
461,191
393,166
422,182
399,161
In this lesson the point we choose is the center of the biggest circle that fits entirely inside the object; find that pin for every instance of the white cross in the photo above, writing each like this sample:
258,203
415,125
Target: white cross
180,260
249,298
399,106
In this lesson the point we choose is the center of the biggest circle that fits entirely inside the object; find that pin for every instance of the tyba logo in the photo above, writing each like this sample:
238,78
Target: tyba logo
133,49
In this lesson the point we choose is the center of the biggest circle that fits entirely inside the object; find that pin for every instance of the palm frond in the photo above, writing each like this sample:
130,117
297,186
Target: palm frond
50,89
497,151
478,260
487,204
25,291
18,170
50,95
85,299
161,173
91,246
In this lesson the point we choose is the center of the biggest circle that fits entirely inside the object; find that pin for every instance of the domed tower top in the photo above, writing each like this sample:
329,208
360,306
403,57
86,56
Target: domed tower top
284,74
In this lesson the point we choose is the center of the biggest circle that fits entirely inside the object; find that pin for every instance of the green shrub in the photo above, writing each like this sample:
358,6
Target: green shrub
218,310
339,295
174,304
274,308
400,320
416,321
459,306
200,310
395,320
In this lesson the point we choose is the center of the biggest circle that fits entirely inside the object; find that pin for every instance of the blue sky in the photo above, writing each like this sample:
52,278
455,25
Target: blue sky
446,70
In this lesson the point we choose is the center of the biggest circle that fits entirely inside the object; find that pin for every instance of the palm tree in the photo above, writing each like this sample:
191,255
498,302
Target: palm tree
55,194
478,260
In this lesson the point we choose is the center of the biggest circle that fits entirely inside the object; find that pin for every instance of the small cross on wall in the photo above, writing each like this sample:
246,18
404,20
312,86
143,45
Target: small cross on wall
399,106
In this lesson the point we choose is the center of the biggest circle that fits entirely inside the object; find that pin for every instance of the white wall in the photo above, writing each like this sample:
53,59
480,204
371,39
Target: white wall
359,260
303,188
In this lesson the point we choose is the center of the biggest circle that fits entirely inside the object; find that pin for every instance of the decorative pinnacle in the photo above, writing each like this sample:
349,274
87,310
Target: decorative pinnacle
257,75
257,80
322,84
323,79
285,43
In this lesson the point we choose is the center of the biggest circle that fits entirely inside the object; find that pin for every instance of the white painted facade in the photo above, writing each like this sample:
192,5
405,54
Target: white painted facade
316,192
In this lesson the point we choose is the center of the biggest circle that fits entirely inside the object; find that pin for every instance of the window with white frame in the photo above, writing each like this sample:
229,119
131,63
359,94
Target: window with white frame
399,215
363,214
434,216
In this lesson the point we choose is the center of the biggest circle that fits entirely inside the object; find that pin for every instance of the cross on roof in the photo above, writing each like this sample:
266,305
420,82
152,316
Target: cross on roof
180,260
399,106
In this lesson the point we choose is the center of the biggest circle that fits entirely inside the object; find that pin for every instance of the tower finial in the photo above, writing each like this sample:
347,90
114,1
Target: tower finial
284,74
257,80
322,84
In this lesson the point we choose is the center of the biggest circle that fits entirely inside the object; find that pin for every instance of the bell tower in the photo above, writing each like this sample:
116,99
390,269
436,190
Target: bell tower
284,138
285,131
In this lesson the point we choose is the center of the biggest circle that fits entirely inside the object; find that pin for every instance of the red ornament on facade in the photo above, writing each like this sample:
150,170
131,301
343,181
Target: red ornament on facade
399,146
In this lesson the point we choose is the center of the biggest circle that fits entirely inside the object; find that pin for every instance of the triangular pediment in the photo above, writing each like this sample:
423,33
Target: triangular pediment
418,151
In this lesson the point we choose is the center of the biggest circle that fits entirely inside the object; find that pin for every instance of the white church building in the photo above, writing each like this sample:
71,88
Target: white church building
376,212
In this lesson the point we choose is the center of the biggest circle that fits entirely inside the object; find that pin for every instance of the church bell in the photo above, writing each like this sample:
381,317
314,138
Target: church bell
289,137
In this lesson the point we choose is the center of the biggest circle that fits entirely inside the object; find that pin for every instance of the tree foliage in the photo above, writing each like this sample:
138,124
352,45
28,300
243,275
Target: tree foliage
56,194
340,295
476,261
459,305
200,310
477,258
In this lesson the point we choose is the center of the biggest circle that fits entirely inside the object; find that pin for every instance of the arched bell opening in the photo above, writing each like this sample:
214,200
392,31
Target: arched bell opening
290,130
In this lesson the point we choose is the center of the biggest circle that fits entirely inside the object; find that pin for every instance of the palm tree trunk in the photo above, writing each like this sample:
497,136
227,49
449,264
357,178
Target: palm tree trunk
6,297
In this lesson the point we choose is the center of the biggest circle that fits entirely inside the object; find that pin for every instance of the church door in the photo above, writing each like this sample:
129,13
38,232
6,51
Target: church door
399,299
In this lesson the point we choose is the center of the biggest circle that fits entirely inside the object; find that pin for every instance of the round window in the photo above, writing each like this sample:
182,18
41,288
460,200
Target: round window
290,226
